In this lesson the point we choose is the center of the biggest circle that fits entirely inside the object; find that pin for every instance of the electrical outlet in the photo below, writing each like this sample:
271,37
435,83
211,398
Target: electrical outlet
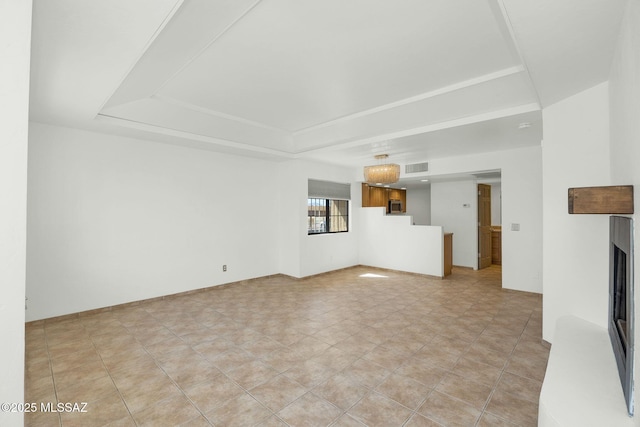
224,267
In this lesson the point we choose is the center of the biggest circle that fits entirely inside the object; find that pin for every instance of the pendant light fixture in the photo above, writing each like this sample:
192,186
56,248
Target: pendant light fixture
382,173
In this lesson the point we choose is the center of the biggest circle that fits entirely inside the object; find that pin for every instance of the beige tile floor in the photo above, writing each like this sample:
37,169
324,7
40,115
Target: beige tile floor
355,347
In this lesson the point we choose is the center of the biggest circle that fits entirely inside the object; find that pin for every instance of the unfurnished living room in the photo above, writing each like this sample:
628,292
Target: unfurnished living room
335,213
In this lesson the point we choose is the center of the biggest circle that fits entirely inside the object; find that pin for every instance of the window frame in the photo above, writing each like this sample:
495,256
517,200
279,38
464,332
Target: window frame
327,216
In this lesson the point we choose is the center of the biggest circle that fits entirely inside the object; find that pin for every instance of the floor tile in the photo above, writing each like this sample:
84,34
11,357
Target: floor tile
309,410
378,410
154,391
463,388
347,420
100,412
272,421
173,411
528,367
523,388
449,411
514,409
252,373
208,394
278,392
87,390
404,390
348,346
239,411
366,373
421,370
490,420
385,357
418,420
309,373
341,390
477,371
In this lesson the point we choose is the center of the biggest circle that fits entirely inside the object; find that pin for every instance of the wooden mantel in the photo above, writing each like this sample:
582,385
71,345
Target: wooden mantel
615,199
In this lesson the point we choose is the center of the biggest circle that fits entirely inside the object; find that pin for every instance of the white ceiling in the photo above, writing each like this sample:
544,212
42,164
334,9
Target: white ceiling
333,80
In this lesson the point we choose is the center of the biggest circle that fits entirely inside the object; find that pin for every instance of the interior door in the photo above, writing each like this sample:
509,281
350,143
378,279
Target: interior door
484,226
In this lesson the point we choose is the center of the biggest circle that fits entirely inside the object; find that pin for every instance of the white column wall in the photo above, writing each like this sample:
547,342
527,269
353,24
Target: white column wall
15,33
576,251
521,204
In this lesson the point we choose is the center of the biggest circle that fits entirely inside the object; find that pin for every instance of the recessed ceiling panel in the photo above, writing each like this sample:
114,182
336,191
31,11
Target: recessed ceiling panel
504,133
496,97
292,64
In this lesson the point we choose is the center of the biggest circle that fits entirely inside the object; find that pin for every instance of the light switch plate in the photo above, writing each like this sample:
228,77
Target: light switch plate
515,226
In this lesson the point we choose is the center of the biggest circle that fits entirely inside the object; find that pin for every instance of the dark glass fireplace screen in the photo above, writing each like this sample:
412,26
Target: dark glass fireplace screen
621,322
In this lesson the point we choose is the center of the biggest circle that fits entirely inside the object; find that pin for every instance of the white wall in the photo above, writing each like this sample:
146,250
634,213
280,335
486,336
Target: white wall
322,253
114,219
419,204
15,33
521,203
455,208
391,241
291,219
576,251
624,98
304,255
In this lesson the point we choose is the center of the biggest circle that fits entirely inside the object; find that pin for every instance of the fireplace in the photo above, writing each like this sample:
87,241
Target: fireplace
621,307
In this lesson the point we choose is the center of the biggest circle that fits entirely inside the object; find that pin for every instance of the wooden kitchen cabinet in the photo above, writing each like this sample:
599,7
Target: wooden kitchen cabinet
448,253
379,196
496,245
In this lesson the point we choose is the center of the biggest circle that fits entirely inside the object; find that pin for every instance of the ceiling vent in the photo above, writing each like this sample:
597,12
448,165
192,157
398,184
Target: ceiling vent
416,167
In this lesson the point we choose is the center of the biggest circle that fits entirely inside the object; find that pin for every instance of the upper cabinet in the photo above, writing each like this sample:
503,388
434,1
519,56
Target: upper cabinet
379,196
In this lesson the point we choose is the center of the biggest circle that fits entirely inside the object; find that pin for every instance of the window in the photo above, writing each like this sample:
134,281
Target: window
328,207
327,216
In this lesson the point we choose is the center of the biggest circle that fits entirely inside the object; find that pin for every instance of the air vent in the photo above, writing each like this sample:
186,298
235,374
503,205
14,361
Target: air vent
416,167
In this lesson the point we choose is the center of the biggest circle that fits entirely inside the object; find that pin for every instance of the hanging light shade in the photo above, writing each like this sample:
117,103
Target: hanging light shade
383,173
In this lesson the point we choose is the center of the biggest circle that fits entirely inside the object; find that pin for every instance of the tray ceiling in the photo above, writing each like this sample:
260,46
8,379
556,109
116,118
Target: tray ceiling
331,80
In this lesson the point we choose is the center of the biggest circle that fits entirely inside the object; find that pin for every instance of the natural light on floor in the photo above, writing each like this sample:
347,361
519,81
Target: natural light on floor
372,275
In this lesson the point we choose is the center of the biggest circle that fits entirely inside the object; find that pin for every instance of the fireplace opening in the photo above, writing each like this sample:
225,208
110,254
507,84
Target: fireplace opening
621,322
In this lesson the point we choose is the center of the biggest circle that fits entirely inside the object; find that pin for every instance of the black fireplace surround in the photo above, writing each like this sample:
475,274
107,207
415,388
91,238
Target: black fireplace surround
621,307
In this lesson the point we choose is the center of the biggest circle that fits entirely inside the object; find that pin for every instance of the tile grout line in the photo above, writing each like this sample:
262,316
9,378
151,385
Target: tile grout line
53,378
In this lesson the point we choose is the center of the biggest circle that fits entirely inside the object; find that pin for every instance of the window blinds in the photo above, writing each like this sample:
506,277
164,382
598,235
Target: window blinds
329,190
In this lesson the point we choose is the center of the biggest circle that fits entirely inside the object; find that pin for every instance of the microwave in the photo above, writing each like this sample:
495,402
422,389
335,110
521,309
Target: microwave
395,206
